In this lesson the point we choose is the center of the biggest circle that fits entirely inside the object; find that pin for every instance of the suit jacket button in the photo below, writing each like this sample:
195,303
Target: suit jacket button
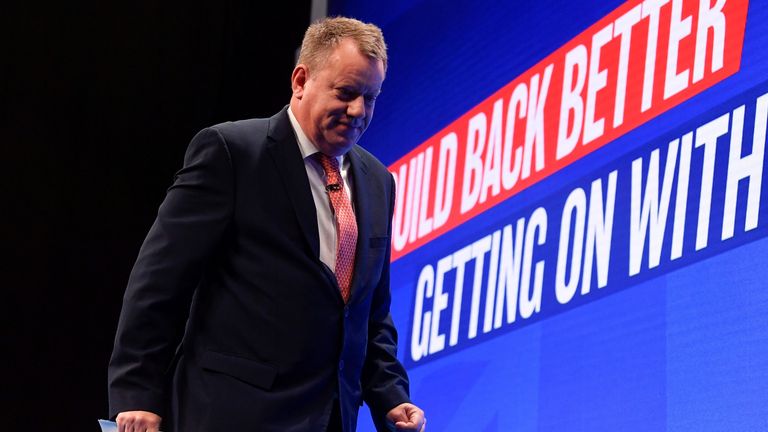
341,364
346,311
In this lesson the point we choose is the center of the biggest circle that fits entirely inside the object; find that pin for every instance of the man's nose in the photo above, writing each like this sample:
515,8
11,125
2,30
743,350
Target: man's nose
356,107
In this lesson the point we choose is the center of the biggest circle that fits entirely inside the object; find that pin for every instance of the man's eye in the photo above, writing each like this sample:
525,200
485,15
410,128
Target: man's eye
346,95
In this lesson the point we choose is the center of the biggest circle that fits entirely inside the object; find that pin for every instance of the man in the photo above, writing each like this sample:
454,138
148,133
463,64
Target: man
260,298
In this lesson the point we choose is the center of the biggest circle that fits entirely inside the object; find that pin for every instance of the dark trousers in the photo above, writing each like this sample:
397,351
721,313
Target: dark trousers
334,424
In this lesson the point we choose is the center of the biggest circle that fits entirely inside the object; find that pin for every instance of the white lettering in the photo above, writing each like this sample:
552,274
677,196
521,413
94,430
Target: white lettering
747,167
707,136
446,177
709,18
530,303
473,162
575,62
651,10
679,29
597,80
534,125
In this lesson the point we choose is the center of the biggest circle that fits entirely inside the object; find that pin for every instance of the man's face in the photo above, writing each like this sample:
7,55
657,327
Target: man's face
334,104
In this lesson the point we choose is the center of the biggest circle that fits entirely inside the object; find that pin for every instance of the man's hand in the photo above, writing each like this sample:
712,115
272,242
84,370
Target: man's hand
138,421
408,417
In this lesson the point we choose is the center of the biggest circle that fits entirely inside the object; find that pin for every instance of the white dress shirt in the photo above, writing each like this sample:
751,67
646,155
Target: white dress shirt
326,222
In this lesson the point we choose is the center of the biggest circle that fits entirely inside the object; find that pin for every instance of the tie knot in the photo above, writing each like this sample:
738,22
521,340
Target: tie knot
330,164
332,174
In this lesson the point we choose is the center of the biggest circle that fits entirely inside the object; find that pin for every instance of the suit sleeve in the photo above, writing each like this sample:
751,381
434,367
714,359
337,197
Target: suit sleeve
189,225
384,379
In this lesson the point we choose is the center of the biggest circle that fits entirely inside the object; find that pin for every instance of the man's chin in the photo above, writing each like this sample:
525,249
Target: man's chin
346,141
337,147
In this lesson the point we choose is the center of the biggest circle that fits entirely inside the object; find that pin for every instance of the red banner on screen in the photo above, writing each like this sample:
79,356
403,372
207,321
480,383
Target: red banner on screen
637,62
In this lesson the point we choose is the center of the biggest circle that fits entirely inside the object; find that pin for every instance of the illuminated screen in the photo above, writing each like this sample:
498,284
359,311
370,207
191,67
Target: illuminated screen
579,233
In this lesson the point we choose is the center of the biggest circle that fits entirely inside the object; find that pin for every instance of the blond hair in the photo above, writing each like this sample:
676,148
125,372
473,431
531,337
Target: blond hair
324,35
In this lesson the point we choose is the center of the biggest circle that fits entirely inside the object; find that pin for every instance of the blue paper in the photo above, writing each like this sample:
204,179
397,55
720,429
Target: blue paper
108,426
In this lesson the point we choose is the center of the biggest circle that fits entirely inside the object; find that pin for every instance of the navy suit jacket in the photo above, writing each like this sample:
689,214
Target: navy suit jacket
230,321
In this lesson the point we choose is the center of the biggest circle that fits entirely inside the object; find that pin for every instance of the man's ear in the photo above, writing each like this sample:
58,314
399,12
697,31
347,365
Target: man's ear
299,79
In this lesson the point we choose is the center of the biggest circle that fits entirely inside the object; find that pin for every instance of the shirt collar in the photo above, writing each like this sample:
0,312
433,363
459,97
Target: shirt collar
306,146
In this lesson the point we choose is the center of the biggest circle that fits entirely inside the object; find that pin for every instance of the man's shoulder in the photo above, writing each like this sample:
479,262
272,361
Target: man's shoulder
249,130
239,130
371,161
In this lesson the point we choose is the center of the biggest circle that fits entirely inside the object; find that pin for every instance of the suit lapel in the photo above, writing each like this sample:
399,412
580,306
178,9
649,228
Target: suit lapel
284,150
362,216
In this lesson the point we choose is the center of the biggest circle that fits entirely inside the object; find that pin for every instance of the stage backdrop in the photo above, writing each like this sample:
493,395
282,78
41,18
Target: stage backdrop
579,238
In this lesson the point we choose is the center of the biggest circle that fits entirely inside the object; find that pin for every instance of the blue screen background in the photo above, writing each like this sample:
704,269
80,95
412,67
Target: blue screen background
682,349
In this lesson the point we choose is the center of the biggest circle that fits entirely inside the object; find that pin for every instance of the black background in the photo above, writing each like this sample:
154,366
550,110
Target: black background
97,105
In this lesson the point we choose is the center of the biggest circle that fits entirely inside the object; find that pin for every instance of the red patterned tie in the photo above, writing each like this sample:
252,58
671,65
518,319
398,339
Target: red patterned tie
346,226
